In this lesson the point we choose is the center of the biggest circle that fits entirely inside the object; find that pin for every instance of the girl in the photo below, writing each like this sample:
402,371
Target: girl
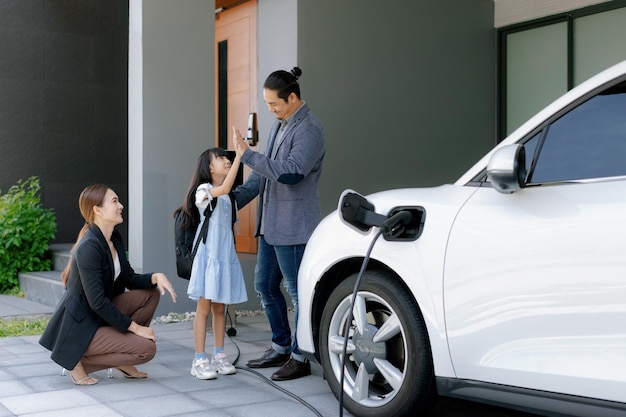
216,276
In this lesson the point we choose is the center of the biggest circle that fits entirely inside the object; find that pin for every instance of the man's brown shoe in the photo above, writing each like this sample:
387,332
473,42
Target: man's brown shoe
291,370
270,358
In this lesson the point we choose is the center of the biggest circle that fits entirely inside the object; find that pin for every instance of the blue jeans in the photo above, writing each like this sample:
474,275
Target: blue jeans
275,263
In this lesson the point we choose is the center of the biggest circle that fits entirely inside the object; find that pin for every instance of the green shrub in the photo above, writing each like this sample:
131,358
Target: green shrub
25,232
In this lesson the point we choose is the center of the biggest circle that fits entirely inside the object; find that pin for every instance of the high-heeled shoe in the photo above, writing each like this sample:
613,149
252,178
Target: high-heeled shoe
86,380
131,372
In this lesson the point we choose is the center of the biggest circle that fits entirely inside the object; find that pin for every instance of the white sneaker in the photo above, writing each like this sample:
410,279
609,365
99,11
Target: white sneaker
202,369
222,365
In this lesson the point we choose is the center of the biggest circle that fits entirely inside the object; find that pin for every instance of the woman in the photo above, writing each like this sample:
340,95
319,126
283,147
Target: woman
98,324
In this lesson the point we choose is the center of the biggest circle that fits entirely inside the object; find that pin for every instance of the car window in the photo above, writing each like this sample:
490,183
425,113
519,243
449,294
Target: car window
587,142
531,149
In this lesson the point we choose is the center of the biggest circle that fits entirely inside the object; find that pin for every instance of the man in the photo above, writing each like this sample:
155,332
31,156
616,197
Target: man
286,180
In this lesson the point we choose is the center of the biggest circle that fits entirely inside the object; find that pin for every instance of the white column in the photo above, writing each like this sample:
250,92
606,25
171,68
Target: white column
171,121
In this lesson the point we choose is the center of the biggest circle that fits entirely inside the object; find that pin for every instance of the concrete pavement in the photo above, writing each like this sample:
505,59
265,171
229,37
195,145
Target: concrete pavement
31,384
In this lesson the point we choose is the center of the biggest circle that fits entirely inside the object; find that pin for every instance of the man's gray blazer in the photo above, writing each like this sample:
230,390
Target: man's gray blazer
292,204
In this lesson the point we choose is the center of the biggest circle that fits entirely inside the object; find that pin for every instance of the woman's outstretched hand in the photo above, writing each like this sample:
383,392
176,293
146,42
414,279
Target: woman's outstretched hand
163,284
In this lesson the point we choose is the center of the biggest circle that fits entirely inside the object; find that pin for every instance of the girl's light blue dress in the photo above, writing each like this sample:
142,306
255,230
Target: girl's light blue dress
216,273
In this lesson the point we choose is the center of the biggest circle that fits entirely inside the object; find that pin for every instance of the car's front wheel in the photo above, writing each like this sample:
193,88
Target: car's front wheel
388,367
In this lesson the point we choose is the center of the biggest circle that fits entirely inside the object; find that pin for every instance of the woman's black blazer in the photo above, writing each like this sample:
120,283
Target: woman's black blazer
86,303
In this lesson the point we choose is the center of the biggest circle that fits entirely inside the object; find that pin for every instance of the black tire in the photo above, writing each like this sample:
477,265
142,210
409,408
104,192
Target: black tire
409,387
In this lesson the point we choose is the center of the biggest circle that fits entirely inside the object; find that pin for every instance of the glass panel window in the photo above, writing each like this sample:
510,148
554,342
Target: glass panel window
536,71
588,142
598,42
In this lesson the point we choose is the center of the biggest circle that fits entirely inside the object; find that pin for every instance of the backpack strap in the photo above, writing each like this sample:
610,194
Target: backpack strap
233,205
205,225
207,214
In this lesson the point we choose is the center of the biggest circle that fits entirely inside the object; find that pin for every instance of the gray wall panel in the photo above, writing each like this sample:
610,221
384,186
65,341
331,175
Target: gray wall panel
405,89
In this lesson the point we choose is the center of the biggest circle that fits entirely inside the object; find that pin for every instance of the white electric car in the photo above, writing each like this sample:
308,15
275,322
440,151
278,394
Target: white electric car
507,287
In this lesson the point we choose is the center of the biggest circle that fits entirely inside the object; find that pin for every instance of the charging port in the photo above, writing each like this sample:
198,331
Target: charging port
414,227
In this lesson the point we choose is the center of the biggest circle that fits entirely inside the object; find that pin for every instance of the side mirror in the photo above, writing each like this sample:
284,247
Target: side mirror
506,169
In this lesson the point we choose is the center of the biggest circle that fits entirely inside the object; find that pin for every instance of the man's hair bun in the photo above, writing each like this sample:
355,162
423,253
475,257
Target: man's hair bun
297,72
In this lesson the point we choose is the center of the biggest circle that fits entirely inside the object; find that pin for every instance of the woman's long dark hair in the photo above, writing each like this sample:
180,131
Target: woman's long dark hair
201,175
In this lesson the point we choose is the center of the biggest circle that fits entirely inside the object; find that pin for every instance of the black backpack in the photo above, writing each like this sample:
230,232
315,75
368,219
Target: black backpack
183,238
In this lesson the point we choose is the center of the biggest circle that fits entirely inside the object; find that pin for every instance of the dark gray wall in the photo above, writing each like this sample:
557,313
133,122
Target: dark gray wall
63,100
405,89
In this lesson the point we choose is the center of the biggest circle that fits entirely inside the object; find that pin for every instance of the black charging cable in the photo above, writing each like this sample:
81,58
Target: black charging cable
350,316
266,379
231,331
278,387
391,228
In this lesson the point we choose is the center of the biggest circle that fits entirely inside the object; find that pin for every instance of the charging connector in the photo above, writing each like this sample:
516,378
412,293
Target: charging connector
395,225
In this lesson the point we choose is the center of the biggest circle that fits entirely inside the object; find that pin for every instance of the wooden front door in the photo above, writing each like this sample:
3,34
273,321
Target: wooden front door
236,98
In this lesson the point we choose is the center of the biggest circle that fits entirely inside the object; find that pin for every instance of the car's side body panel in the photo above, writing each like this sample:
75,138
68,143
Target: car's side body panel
535,289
